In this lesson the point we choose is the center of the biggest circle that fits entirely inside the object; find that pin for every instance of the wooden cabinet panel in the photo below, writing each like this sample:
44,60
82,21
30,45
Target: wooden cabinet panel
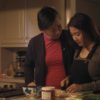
13,21
13,30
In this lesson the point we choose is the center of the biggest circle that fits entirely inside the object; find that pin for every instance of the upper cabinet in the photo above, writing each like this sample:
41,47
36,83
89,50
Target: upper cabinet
18,20
13,23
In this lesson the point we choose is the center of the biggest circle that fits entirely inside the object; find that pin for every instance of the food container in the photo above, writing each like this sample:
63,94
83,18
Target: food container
29,91
48,93
32,91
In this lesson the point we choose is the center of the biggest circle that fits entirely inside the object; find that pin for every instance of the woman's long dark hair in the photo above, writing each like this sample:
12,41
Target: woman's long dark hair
85,23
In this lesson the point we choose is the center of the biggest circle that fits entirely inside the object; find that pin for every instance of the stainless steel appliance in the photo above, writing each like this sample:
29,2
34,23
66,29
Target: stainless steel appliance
7,93
19,64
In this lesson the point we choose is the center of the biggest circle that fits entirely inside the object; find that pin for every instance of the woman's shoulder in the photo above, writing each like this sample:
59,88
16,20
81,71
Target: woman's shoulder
95,60
97,51
98,47
94,65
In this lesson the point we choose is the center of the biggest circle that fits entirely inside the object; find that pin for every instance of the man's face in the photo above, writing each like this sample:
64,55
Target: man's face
55,30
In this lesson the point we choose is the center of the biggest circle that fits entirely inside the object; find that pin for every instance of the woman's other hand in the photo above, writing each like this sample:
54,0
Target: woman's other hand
74,88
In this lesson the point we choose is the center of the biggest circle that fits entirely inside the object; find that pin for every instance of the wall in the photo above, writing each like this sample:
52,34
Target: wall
90,7
6,59
60,6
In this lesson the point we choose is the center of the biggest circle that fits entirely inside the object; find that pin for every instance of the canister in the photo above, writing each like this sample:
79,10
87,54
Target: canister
48,93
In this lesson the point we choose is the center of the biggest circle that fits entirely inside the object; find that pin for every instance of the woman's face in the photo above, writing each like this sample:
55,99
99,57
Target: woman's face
55,30
77,35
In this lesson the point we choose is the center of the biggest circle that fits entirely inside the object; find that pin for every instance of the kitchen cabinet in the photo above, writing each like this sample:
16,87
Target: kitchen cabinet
12,80
13,21
18,20
16,27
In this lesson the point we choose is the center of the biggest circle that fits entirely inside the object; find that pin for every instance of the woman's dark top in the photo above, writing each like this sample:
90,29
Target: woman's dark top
82,72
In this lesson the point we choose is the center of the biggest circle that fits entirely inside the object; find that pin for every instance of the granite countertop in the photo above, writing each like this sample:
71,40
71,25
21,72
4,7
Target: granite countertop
30,98
80,96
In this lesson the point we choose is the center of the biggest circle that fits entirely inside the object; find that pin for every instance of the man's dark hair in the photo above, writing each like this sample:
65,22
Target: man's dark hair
46,17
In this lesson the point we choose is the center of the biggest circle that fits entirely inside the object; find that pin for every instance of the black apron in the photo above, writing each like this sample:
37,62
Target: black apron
79,70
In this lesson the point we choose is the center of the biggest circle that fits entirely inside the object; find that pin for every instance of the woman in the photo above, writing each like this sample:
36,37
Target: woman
85,71
46,63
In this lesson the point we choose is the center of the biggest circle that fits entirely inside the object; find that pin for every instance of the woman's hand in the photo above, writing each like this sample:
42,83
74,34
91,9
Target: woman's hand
64,83
74,88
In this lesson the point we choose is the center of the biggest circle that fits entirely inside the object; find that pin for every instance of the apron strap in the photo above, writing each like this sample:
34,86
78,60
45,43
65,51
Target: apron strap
89,55
92,51
77,53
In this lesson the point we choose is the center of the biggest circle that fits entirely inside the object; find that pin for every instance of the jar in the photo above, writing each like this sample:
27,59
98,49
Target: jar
48,93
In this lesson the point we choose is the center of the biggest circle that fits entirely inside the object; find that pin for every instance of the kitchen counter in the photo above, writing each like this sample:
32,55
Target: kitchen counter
12,80
86,96
27,98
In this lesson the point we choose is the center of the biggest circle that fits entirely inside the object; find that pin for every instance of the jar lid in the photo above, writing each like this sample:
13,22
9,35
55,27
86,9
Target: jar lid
48,88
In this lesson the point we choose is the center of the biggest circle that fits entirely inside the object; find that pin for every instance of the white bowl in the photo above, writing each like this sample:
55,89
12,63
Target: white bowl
29,91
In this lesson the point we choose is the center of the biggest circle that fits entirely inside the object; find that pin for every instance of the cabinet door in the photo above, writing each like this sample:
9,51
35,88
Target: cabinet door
31,26
13,24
